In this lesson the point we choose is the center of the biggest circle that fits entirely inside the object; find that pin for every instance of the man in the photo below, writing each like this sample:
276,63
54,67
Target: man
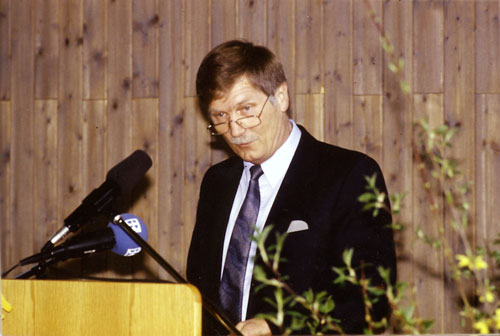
281,176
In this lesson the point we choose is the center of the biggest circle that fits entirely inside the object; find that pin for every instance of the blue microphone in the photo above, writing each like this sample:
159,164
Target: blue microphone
126,246
113,237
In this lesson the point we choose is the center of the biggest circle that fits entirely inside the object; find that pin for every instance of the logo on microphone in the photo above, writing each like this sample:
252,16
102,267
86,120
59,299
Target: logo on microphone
132,251
134,224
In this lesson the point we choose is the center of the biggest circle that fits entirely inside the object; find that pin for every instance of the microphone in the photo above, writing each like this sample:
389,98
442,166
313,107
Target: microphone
113,237
120,179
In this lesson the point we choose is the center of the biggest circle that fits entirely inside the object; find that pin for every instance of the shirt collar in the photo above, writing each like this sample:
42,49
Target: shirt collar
276,166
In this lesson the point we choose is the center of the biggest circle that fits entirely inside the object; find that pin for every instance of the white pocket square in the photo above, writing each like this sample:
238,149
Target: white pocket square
297,225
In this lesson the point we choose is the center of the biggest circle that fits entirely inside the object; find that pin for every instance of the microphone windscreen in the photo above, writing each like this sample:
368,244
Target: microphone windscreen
130,171
126,246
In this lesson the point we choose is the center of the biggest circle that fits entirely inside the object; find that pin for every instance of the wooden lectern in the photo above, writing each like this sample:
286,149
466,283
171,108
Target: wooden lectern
53,307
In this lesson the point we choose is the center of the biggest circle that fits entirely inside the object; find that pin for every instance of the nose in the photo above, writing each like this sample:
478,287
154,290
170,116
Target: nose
235,129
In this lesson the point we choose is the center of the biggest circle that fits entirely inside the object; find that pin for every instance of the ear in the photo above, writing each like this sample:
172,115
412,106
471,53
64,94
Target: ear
282,97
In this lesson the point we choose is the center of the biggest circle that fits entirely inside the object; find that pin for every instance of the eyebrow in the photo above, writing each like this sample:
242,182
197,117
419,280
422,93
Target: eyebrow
243,101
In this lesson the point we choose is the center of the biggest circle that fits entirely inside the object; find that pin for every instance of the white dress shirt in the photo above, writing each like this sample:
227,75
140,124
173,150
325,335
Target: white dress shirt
274,170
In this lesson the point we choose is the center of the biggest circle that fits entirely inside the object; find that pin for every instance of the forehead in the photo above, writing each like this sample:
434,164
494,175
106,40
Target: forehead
240,92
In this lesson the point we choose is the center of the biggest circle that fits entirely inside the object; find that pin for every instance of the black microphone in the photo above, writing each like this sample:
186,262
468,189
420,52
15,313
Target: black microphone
113,237
120,179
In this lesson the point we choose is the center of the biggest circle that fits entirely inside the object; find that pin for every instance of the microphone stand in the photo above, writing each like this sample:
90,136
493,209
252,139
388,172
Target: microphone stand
208,305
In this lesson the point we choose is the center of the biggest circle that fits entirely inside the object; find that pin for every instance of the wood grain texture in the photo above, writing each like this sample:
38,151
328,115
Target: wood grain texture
428,18
458,105
94,68
5,49
145,46
110,308
46,48
367,51
338,72
83,83
428,277
368,127
22,149
487,46
252,19
308,59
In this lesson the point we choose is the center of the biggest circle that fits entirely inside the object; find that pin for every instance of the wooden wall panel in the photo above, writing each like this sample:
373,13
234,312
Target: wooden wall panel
310,114
223,21
46,48
197,36
252,19
427,263
367,51
368,127
145,198
171,130
119,81
428,16
94,49
145,48
308,60
487,46
280,36
22,151
45,204
5,50
83,83
338,73
94,128
6,238
458,103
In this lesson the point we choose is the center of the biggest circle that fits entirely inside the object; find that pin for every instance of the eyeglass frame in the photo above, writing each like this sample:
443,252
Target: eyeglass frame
211,127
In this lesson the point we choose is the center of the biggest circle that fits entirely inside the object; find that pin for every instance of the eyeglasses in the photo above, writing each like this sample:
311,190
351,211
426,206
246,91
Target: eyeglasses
245,122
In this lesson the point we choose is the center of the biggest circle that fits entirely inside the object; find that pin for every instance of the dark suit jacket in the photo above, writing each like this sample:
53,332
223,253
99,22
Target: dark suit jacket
321,187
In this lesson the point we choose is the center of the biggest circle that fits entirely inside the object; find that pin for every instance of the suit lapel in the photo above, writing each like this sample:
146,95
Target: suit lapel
289,200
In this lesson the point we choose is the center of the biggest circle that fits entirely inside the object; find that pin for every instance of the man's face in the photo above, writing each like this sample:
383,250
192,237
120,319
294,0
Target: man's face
259,143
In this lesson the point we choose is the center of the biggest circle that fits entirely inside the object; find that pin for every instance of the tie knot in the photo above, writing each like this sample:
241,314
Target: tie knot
255,172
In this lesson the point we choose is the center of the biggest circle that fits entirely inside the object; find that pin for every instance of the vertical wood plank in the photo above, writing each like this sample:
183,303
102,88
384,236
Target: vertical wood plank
197,161
487,167
281,37
428,277
252,19
70,160
5,49
310,114
94,126
197,36
368,128
487,37
119,80
45,172
367,51
119,105
223,24
145,199
94,49
338,72
21,192
171,134
428,42
145,48
309,47
397,120
6,238
223,21
459,106
46,48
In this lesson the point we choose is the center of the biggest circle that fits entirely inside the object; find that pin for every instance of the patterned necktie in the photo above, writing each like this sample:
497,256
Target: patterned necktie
233,276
